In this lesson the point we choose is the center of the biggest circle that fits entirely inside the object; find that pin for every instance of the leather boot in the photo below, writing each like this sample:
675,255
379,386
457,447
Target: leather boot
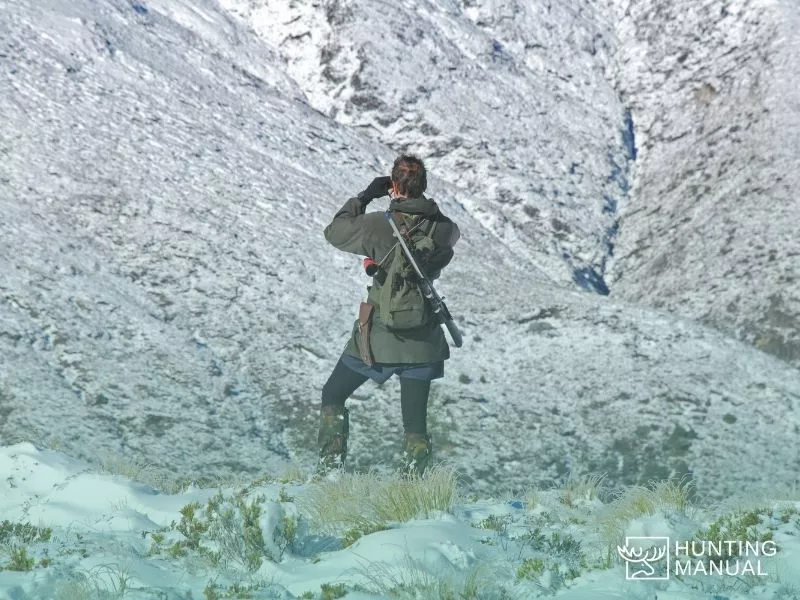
416,454
334,427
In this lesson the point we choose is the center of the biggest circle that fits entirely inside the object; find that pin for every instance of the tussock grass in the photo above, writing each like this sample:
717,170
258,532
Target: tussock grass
157,478
531,498
406,499
163,481
666,497
340,502
581,489
779,501
103,582
410,580
366,502
134,470
292,473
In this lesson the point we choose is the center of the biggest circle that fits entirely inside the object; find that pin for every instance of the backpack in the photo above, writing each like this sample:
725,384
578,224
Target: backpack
399,302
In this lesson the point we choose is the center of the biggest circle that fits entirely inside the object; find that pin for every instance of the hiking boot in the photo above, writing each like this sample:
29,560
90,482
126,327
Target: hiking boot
334,427
416,454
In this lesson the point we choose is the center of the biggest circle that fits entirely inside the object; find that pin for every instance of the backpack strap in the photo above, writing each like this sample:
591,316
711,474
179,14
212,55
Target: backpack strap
402,225
432,227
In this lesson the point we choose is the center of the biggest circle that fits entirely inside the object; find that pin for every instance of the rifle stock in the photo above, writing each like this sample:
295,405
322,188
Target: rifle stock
454,332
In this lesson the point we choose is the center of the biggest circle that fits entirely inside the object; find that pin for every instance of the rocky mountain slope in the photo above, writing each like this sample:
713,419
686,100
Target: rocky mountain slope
710,231
167,294
642,148
508,101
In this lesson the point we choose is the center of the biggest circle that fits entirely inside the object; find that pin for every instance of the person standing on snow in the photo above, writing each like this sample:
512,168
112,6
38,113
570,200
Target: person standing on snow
384,342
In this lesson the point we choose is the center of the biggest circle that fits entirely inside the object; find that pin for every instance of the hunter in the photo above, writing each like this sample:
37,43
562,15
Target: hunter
395,334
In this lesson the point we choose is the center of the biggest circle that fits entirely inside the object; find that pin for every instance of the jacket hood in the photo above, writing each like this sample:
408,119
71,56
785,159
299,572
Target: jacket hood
415,206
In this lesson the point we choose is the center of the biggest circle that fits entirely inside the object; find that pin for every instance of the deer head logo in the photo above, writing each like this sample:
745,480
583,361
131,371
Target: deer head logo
641,554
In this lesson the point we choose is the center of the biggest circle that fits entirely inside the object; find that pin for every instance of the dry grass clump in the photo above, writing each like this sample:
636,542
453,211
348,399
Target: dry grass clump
367,502
103,582
162,480
581,489
411,579
406,499
666,497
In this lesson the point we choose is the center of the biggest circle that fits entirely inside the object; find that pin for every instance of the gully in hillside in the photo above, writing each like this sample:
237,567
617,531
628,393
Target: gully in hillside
397,331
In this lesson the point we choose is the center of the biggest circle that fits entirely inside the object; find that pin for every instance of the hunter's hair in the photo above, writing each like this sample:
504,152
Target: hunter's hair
408,174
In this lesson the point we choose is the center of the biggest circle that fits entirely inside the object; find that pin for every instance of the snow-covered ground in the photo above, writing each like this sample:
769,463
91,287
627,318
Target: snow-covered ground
94,535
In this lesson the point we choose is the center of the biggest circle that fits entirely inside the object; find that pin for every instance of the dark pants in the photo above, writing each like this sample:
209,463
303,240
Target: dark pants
413,395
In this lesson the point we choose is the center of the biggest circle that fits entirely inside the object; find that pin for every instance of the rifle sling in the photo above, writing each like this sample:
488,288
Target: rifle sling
402,226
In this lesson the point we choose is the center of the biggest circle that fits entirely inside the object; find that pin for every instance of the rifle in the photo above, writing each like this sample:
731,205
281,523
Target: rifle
426,287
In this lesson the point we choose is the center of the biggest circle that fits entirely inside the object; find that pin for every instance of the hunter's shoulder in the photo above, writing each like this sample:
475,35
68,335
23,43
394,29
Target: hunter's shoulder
441,218
446,227
434,211
376,219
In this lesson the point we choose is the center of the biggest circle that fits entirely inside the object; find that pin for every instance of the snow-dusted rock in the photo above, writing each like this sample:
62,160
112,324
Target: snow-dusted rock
167,294
711,229
507,100
540,111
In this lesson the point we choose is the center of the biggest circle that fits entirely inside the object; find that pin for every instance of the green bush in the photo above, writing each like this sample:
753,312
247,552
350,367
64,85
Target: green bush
226,530
16,537
235,591
352,535
23,533
191,528
787,512
233,525
331,592
744,526
20,561
532,568
495,523
284,534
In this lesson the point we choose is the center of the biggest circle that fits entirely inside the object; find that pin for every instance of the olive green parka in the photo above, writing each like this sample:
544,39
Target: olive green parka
370,234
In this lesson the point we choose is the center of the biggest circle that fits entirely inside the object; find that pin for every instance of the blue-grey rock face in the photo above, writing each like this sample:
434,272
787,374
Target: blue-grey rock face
710,231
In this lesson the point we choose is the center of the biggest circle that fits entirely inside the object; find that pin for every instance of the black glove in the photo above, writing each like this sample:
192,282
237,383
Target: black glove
379,187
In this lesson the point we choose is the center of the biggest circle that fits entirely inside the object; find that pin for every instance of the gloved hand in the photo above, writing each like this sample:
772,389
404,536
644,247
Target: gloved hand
379,187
